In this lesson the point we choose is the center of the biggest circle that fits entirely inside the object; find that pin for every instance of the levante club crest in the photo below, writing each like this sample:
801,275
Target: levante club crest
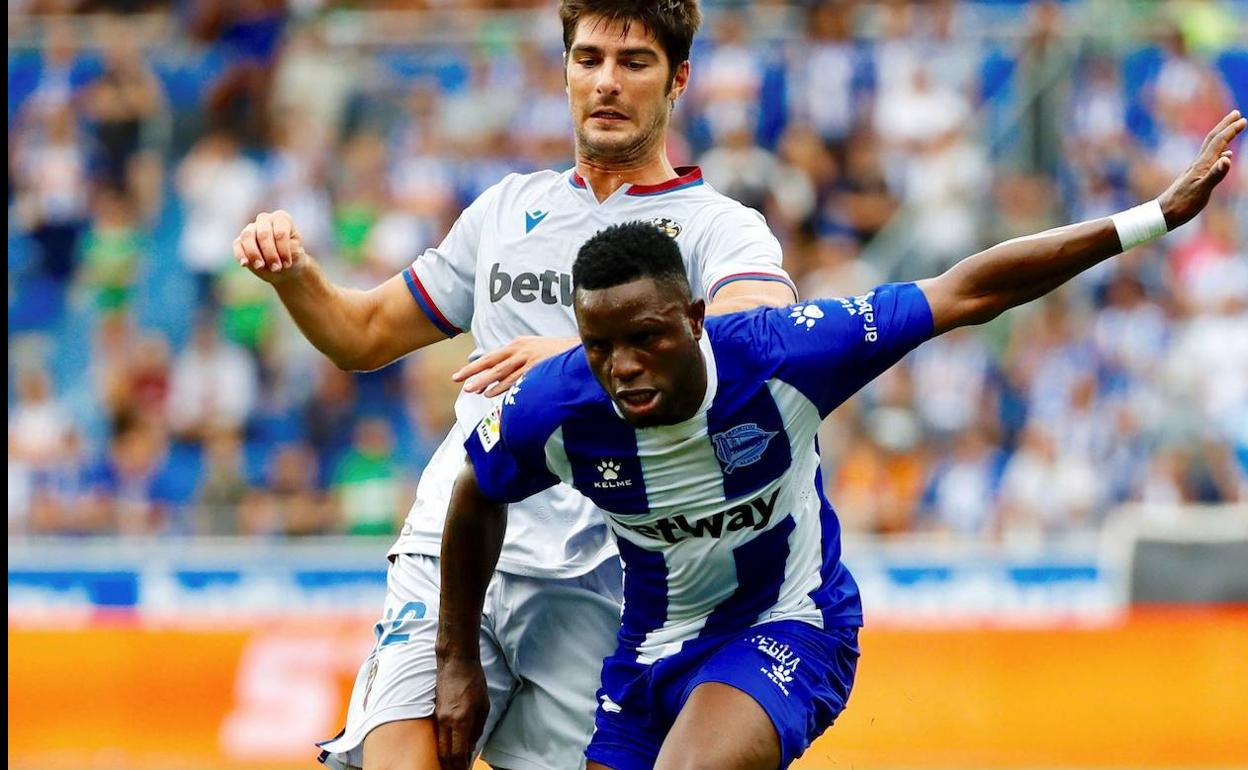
741,446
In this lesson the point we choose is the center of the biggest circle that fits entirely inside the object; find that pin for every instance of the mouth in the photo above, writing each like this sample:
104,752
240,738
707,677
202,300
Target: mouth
608,115
638,401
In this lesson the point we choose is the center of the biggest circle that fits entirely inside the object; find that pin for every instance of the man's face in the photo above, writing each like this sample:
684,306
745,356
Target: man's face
619,92
641,339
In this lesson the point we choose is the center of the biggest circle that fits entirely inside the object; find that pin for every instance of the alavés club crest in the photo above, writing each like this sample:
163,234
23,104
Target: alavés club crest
741,446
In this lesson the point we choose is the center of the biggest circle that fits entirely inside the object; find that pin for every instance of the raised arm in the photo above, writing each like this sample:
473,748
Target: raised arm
981,287
471,542
360,330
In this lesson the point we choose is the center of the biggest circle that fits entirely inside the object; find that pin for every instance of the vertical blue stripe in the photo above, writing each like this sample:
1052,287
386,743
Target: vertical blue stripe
602,450
837,595
760,573
747,431
645,595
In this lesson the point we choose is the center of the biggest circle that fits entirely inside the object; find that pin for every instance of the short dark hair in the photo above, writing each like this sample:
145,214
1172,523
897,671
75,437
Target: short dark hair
672,22
627,252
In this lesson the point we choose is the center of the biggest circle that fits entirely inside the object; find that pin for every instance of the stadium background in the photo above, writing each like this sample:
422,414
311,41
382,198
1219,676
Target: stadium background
1047,514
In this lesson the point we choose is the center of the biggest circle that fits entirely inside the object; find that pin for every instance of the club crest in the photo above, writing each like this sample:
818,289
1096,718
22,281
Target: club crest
741,446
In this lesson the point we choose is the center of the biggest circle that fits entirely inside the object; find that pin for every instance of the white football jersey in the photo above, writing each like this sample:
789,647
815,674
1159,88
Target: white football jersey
504,271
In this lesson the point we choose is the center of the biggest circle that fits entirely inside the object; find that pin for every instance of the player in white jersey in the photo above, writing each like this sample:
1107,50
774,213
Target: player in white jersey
503,272
738,645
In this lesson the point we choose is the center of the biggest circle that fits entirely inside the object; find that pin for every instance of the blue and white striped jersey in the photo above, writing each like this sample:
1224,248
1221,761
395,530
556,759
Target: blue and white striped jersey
720,520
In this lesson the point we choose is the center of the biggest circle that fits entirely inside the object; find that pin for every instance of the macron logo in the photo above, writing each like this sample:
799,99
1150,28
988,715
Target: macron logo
533,219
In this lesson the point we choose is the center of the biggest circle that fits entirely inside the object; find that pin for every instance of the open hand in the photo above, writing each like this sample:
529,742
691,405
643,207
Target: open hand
461,705
499,369
1189,194
269,245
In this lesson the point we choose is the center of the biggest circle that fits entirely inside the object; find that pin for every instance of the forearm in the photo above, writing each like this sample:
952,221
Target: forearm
1021,270
471,541
334,319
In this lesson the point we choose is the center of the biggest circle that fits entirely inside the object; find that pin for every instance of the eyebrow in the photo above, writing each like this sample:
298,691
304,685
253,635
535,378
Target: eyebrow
594,49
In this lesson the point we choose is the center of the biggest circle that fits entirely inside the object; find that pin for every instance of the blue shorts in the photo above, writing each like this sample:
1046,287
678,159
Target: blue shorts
801,676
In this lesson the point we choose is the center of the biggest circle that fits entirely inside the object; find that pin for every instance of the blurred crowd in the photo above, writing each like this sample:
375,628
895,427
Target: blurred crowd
154,387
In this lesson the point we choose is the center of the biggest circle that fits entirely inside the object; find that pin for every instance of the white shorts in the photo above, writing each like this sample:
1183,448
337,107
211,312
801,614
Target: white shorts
543,641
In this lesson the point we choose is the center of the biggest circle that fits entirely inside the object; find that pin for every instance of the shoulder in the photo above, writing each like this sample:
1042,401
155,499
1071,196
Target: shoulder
748,334
547,396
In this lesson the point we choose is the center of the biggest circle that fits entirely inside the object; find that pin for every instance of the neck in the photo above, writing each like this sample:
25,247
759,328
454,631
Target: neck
605,178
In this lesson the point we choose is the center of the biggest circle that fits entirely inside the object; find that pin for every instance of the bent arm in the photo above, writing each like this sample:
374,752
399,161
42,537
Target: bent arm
982,286
357,330
471,542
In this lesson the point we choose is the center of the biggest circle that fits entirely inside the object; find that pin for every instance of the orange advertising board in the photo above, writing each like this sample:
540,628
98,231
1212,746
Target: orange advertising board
1158,691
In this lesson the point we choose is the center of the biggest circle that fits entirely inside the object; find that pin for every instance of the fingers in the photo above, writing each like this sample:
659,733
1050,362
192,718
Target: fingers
454,749
267,243
480,365
283,231
1226,120
1228,133
504,383
246,242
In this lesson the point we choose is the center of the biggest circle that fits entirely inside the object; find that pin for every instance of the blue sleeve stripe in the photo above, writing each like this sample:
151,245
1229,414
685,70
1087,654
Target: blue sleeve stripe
722,282
427,304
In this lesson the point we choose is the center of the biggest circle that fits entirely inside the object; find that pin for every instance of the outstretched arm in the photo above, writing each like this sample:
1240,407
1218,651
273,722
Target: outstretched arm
471,542
981,287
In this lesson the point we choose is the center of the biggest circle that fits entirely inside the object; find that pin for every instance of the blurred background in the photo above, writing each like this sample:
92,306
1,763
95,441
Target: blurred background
1048,515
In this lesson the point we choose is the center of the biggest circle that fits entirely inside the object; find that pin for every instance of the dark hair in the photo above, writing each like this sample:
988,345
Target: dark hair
626,252
672,22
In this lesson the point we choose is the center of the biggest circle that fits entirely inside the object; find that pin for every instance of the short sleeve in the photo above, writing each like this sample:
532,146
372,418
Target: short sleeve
509,461
830,348
738,246
442,279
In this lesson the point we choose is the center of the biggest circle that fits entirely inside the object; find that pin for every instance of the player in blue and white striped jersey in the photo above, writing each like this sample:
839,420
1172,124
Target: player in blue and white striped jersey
696,437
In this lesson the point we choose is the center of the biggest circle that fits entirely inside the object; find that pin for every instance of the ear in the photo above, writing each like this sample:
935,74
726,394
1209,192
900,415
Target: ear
567,88
680,80
697,317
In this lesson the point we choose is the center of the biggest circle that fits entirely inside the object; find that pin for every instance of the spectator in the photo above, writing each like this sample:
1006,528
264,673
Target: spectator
224,488
367,484
112,251
214,385
221,189
289,503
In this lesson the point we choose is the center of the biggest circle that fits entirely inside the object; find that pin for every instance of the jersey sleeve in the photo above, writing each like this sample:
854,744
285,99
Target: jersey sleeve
442,279
830,348
738,246
508,456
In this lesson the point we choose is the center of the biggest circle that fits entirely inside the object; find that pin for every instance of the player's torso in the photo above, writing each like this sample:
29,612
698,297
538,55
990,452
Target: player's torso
717,518
523,281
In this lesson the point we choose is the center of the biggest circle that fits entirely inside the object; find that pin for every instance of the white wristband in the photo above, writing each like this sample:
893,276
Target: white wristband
1140,224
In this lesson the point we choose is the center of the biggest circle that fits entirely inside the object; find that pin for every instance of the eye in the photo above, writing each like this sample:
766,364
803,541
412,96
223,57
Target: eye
635,65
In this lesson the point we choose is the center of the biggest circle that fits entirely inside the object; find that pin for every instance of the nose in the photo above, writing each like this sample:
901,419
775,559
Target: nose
625,365
607,82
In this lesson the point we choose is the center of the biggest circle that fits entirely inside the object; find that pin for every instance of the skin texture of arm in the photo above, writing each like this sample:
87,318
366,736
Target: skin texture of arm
471,542
981,287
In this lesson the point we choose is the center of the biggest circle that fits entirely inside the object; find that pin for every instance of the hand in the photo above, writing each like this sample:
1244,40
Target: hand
1187,196
499,369
461,705
270,247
